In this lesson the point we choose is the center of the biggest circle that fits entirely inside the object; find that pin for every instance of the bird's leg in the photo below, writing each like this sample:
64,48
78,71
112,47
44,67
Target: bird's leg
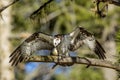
61,57
55,53
65,56
58,63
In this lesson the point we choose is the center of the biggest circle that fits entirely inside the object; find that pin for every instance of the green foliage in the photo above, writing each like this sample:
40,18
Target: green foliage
21,13
118,50
81,73
72,14
86,73
118,41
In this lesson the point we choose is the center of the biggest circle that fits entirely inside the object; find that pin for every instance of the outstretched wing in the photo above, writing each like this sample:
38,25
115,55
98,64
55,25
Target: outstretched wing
37,41
81,36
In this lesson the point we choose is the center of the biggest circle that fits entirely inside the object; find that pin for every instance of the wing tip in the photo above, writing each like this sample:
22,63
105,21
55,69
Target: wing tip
16,60
100,51
14,57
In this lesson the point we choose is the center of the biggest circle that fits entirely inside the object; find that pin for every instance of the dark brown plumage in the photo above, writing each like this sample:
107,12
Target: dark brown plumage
61,44
80,36
37,41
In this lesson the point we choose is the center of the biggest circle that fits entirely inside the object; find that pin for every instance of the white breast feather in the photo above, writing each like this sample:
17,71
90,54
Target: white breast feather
90,43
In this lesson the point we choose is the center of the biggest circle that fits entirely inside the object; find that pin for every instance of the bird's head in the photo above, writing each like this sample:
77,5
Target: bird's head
57,40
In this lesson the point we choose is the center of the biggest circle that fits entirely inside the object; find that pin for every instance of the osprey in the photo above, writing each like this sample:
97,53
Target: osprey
59,44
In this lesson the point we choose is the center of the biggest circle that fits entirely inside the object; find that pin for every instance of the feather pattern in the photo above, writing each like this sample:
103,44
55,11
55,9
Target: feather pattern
84,37
37,41
66,43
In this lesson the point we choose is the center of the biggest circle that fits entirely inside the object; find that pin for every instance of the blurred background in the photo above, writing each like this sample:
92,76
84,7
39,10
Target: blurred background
60,16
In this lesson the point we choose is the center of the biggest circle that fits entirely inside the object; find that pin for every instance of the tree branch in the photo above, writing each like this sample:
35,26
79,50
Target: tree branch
40,8
75,60
3,8
115,2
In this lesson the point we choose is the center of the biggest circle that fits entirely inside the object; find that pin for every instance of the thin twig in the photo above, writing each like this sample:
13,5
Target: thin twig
41,7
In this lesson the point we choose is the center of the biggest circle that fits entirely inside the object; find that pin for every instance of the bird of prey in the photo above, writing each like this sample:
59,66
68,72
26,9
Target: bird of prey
59,44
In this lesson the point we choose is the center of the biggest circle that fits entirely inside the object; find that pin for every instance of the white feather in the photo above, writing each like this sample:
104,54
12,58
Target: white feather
90,42
56,41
